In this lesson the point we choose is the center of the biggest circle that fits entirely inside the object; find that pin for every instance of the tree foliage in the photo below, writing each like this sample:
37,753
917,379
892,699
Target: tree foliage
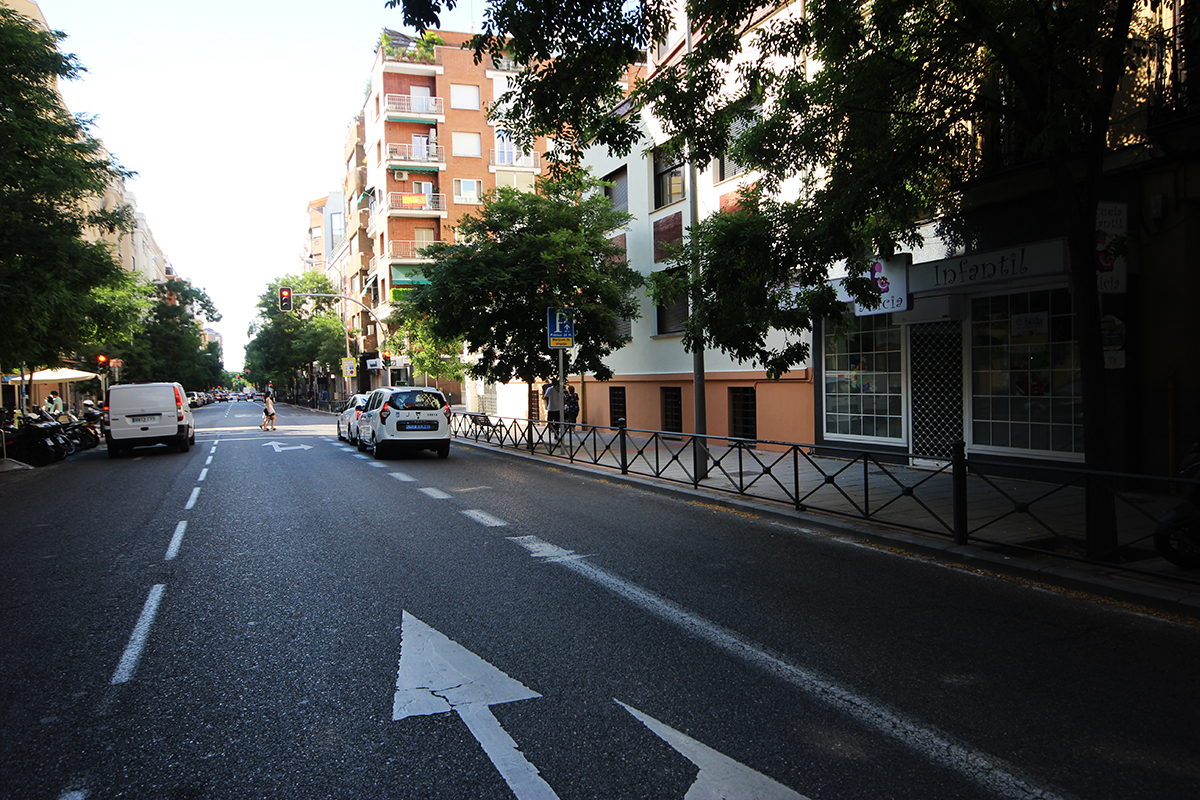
286,343
168,343
521,254
427,353
53,281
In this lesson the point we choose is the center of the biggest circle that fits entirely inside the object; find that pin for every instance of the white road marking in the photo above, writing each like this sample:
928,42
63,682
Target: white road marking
361,455
192,500
208,461
485,519
378,464
990,773
437,675
137,641
436,494
176,540
720,776
74,794
401,476
203,474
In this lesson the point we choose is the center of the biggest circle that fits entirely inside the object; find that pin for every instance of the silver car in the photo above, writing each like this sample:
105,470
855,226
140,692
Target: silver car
347,422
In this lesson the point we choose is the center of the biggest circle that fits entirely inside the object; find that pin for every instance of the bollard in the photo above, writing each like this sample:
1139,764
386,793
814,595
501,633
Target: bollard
621,435
958,486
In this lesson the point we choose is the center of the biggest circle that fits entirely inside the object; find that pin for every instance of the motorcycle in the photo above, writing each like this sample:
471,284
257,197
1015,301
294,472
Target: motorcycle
1177,538
31,442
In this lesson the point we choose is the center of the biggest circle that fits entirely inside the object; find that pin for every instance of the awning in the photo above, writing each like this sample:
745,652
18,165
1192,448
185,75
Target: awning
63,375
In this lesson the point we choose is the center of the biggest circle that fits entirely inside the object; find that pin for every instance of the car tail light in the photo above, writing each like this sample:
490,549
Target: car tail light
178,405
104,416
446,410
383,414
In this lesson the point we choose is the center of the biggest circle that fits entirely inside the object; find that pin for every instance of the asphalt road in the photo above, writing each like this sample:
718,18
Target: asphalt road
277,615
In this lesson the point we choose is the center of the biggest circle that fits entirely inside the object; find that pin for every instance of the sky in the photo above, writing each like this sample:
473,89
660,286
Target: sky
234,116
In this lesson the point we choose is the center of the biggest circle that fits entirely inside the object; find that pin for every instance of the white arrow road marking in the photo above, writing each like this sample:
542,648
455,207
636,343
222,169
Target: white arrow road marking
279,446
437,675
720,778
991,773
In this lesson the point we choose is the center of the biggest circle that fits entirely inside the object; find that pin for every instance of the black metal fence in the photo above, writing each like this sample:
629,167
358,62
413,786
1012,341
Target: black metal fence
1040,511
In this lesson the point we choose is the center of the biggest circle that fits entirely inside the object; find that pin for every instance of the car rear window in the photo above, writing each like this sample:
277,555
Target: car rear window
418,401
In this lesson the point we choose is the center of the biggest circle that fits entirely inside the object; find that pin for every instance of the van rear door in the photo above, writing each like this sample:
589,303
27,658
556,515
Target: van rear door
141,411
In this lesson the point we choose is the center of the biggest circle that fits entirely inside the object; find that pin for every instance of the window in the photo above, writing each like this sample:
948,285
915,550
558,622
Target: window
521,181
672,315
618,193
1025,373
743,413
466,144
464,96
468,190
672,409
726,168
616,405
506,151
668,179
863,380
337,225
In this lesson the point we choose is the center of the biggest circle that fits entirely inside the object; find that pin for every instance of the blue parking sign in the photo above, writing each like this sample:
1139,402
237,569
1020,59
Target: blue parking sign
560,327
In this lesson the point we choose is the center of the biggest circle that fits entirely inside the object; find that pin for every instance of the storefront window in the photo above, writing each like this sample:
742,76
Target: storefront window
1026,392
863,380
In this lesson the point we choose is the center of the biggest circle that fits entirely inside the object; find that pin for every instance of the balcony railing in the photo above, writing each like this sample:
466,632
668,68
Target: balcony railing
408,250
416,153
413,104
415,201
411,56
515,158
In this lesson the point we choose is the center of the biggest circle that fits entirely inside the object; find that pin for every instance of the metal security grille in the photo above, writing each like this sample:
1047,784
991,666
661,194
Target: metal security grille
616,405
937,398
743,413
672,409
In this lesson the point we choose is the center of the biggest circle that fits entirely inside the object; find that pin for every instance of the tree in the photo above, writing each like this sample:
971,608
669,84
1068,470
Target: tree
887,112
51,171
524,253
428,354
169,344
287,343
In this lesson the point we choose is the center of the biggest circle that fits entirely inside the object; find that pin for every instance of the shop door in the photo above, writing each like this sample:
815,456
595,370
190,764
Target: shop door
936,357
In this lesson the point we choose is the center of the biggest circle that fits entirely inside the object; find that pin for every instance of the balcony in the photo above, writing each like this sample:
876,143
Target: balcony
514,159
400,251
416,204
413,108
419,158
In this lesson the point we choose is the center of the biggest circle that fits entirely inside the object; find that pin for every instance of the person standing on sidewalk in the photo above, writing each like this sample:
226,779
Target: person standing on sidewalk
571,407
554,406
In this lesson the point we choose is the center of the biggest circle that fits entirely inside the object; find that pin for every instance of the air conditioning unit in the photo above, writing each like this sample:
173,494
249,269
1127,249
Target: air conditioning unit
400,174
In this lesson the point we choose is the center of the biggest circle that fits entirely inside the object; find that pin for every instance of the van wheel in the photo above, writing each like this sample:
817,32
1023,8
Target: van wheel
114,450
443,450
184,444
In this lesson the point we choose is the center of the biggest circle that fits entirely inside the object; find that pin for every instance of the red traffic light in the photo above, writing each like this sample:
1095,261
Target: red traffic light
285,298
102,361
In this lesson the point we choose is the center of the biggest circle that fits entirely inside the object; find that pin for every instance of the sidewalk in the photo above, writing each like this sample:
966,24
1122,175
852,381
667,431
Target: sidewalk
1020,528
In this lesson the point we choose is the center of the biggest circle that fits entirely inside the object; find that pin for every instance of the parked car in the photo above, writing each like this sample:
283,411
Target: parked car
347,421
405,417
194,400
142,414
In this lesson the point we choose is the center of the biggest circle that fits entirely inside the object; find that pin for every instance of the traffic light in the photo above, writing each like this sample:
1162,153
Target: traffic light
285,298
387,357
101,362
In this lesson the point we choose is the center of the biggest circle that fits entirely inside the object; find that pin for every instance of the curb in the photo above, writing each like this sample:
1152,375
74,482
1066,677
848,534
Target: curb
1099,583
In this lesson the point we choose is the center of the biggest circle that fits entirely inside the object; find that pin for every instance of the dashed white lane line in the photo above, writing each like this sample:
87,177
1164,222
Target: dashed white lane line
192,500
484,518
208,461
176,540
137,641
74,794
436,494
377,464
361,455
403,477
203,474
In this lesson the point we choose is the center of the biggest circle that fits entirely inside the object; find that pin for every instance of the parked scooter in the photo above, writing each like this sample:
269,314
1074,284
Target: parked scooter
31,442
1177,538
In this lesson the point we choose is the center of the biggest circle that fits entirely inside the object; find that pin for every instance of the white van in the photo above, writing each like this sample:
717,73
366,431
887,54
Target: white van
141,414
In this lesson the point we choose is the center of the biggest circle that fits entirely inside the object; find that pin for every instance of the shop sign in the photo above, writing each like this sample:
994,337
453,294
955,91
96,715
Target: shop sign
1112,231
891,277
999,266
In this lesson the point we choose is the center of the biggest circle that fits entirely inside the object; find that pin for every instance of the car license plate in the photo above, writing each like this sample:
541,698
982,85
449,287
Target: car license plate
419,426
144,419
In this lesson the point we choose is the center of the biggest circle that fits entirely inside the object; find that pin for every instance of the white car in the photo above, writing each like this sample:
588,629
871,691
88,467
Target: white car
142,414
405,417
347,421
